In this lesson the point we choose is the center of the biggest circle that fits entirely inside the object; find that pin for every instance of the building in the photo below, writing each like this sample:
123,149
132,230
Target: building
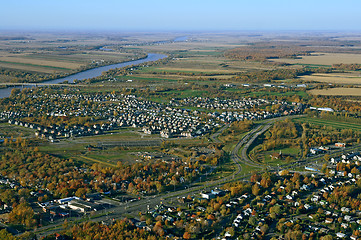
82,206
340,145
208,195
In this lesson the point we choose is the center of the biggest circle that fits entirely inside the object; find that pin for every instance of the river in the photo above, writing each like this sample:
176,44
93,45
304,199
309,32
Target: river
91,73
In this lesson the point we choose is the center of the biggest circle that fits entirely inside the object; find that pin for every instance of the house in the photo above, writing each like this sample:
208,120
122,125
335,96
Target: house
341,235
353,237
305,187
345,209
276,155
307,206
342,145
218,192
329,220
315,151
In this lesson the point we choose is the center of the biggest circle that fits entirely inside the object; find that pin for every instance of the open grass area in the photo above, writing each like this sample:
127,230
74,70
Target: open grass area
247,170
118,135
265,156
92,160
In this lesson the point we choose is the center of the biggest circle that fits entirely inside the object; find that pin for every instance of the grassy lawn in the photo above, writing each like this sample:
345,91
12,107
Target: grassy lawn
246,169
92,160
64,149
265,157
111,157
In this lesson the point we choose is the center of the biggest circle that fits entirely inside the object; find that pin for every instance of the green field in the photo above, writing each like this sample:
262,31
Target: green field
265,157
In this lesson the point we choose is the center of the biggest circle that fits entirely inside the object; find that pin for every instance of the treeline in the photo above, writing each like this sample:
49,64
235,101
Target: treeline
349,67
121,230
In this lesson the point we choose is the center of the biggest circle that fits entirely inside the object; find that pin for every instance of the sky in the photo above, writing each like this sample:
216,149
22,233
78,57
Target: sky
181,15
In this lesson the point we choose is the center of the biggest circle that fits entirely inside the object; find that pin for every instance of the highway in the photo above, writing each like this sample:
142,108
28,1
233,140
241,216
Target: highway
133,208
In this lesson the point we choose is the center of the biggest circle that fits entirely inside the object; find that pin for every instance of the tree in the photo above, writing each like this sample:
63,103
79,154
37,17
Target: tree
14,92
252,220
80,192
22,214
327,237
186,235
264,229
27,236
5,235
255,189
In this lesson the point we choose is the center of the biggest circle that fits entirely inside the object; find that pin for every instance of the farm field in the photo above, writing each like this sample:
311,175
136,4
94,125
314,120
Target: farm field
47,53
337,92
325,59
335,78
26,59
46,63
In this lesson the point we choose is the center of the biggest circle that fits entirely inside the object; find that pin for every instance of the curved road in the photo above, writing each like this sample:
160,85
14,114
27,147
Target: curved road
151,201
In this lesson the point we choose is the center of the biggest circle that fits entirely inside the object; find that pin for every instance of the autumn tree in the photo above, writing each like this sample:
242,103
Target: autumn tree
22,214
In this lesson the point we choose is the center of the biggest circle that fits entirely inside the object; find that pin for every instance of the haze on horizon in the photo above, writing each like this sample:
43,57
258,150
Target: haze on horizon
185,15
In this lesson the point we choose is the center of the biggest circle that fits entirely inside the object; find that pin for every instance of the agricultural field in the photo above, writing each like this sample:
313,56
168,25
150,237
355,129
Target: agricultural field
66,54
337,92
323,59
51,63
334,78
